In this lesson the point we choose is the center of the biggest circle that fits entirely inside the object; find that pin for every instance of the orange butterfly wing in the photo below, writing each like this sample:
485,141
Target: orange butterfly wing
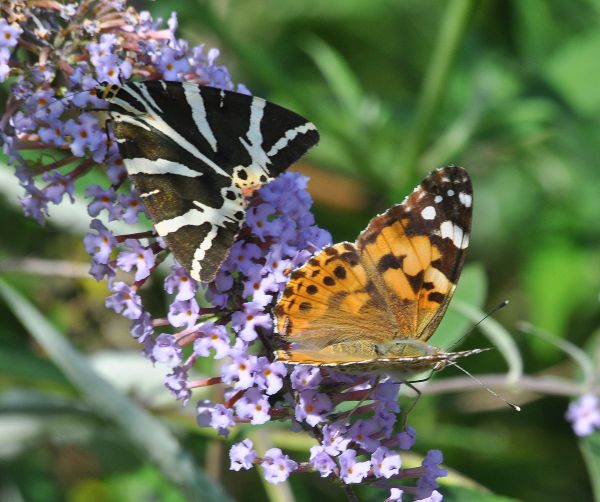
381,299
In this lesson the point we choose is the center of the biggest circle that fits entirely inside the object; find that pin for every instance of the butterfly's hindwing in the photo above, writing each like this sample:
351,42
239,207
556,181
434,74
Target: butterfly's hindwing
330,302
193,152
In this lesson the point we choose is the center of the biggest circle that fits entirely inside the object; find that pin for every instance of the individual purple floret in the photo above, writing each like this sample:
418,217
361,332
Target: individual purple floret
322,461
246,322
306,377
166,350
180,283
183,313
277,466
386,463
269,375
242,455
352,471
99,245
212,337
103,200
312,407
138,257
406,439
584,414
125,301
240,372
253,406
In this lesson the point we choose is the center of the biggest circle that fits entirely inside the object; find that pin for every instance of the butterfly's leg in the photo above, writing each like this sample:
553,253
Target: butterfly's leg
419,394
407,412
365,397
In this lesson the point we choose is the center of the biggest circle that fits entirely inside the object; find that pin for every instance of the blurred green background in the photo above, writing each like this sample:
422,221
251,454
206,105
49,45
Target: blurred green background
508,89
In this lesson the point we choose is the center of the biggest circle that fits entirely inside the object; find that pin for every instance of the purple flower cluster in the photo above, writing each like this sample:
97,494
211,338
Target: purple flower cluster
584,414
229,320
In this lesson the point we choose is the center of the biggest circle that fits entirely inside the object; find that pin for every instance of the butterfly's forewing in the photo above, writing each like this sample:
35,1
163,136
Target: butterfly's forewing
193,151
416,250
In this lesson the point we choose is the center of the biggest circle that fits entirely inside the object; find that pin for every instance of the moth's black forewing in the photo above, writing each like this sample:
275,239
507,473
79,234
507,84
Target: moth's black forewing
192,150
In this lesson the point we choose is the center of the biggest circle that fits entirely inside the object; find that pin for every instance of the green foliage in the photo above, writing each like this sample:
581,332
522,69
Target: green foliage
590,449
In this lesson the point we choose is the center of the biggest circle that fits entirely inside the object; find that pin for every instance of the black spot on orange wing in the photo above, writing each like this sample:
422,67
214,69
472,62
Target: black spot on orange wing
390,261
329,281
305,306
340,272
415,281
436,297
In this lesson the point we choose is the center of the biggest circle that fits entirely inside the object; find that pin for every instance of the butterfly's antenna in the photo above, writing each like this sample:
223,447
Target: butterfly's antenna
498,307
493,393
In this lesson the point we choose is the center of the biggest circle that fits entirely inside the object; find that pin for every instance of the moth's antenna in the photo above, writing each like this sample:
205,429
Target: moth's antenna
498,307
493,393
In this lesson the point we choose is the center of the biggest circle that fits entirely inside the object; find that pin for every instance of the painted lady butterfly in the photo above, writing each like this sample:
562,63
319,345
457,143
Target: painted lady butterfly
372,305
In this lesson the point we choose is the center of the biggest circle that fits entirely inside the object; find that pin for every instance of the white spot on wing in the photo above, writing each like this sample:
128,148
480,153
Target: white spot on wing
450,193
428,213
148,194
447,229
438,199
465,199
450,230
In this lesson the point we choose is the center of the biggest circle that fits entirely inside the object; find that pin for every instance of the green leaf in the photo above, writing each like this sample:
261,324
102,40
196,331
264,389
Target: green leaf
462,494
342,81
574,72
153,440
471,290
560,277
590,449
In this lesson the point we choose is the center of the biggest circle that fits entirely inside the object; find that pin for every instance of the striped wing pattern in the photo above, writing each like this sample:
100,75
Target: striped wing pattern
372,305
193,152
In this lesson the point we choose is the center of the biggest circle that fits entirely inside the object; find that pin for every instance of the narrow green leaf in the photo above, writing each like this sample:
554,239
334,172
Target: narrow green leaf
451,34
153,440
462,494
584,362
590,449
342,81
499,336
471,290
280,492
